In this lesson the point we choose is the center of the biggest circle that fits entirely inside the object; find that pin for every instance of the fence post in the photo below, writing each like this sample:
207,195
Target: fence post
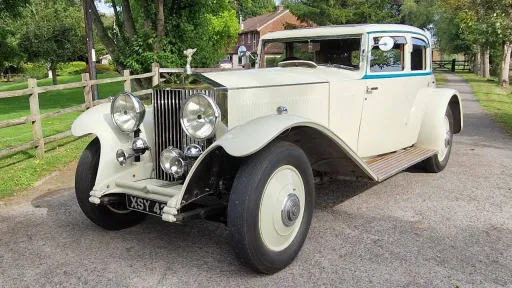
127,82
453,65
87,91
156,76
37,130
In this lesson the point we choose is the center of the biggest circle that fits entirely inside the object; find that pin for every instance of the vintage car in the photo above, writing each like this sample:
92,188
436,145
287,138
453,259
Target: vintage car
246,147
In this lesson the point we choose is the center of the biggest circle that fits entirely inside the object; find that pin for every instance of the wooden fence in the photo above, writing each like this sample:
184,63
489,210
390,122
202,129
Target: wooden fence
450,65
35,116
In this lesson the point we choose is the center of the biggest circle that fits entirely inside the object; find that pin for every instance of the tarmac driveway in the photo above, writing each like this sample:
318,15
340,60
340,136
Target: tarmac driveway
414,230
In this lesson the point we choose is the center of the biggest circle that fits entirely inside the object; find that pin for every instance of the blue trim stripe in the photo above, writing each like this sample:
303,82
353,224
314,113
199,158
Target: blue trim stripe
401,75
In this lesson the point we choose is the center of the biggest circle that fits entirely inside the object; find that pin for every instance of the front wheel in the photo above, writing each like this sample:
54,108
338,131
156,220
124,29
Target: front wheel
271,207
110,217
437,163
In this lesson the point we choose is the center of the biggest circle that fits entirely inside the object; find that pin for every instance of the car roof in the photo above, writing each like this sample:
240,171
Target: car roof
343,30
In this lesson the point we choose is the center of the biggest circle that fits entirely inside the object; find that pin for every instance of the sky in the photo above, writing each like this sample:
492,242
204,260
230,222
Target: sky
103,7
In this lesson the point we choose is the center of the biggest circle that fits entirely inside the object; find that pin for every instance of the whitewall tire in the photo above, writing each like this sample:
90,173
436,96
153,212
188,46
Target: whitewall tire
438,162
271,207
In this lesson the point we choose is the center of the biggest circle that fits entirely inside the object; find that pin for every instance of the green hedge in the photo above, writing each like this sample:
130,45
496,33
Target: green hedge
71,68
34,70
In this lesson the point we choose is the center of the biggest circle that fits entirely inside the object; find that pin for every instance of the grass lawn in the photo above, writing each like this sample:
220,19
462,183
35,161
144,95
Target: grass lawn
19,171
495,99
440,79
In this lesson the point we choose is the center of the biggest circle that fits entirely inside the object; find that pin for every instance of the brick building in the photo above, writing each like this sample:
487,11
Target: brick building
256,27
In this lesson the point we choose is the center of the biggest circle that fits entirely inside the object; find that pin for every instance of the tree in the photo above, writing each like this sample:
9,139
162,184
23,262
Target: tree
160,30
253,8
9,11
328,12
52,32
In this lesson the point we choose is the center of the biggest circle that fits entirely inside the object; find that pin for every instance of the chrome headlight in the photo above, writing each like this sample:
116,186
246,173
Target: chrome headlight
200,116
127,112
171,161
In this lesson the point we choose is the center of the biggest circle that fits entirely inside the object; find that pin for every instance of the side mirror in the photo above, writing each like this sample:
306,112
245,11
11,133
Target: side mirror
386,43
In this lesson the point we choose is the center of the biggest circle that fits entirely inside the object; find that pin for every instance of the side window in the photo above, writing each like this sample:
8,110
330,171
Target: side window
388,61
419,55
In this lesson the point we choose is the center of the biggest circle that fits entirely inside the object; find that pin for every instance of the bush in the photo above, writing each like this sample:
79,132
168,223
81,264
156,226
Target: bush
34,70
71,68
104,69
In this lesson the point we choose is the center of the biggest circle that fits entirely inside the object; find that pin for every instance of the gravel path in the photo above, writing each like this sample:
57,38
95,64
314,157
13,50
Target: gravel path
414,230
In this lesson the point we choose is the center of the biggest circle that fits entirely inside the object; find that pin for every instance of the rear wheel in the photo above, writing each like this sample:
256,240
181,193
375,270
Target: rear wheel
115,216
271,207
438,162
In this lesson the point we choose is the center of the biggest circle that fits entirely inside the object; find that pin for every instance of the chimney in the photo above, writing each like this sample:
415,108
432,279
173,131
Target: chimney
280,7
241,23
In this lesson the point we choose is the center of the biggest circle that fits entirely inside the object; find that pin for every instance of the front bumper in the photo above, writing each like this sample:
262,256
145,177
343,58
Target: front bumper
154,189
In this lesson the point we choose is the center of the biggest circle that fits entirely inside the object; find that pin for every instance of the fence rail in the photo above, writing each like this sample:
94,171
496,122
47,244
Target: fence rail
451,65
35,116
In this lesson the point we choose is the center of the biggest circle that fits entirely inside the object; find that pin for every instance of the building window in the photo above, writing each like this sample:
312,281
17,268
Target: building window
254,44
248,38
242,39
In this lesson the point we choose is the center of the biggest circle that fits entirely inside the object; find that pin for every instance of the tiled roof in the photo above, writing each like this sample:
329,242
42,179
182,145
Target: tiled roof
253,24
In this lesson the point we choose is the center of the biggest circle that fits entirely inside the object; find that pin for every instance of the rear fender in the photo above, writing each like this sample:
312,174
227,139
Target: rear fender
324,149
98,121
437,100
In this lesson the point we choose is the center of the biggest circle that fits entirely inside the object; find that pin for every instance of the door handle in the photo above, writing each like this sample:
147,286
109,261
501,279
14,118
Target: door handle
369,90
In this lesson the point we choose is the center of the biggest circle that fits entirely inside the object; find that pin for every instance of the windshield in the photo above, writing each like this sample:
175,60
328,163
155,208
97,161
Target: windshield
341,52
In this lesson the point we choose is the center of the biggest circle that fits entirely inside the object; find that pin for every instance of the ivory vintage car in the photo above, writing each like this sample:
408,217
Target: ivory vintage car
246,147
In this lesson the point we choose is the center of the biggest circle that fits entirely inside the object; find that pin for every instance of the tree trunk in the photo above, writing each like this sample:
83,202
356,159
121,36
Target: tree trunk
160,25
8,74
477,62
128,18
53,68
487,66
117,19
109,43
147,20
505,65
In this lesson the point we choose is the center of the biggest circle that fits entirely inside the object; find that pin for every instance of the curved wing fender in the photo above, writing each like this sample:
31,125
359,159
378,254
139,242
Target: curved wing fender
98,121
252,136
431,134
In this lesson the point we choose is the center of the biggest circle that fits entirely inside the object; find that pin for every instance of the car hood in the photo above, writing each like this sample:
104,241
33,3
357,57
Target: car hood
238,79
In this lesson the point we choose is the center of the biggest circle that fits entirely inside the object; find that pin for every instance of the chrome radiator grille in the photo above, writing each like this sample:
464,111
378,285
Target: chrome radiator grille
168,132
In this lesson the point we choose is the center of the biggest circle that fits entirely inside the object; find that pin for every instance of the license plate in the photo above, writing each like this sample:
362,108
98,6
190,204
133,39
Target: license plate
145,205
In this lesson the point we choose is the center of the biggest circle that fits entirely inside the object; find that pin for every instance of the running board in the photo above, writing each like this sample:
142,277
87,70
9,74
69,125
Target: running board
391,164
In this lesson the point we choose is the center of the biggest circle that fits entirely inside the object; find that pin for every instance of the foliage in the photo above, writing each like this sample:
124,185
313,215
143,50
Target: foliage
102,69
52,32
210,26
34,70
253,8
71,68
328,12
9,11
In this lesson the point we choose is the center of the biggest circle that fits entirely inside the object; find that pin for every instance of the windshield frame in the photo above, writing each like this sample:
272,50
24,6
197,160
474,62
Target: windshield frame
260,64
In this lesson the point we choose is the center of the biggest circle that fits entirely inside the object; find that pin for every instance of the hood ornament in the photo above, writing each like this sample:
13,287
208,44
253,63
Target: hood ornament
189,53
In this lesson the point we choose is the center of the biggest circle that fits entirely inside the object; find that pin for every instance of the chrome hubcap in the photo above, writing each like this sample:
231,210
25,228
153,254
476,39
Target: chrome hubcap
291,210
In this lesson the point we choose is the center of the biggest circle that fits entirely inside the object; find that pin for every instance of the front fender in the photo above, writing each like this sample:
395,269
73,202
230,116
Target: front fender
97,121
252,136
431,134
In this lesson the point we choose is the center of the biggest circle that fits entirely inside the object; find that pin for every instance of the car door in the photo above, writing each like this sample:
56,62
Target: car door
387,98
